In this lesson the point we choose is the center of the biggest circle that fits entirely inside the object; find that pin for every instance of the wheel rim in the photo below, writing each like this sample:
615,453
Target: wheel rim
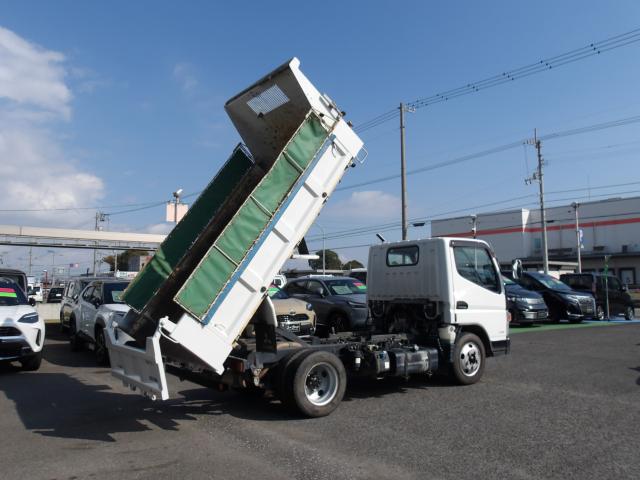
470,359
321,384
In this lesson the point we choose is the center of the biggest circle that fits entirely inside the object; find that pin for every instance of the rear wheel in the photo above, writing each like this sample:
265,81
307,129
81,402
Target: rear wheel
338,322
32,362
468,359
102,353
316,383
629,313
75,343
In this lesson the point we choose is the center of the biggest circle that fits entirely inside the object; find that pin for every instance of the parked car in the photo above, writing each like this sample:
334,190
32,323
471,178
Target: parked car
35,292
293,314
598,285
562,301
55,295
525,306
21,329
17,276
99,304
340,303
358,274
70,298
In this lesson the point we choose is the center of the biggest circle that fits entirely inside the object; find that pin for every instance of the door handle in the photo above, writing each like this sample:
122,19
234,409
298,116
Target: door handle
462,305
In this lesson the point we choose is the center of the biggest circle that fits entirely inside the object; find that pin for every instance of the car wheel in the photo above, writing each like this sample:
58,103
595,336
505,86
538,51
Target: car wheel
468,359
317,382
629,313
599,312
102,353
338,322
32,362
75,343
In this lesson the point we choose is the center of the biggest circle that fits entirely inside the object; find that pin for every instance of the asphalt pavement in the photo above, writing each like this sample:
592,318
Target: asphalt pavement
565,404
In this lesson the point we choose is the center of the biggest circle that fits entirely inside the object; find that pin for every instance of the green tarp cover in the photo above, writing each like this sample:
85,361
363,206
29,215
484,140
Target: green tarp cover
177,243
229,250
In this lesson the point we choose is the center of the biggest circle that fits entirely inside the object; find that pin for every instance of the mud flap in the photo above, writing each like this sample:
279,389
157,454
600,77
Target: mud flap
137,368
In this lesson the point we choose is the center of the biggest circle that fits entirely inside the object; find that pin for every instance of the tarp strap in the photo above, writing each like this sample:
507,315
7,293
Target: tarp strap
260,206
223,253
293,163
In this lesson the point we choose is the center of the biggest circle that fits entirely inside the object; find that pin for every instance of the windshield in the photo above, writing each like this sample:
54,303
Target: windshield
550,282
276,293
346,286
581,282
11,295
113,292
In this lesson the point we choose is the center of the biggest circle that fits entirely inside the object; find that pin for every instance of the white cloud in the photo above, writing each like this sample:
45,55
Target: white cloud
37,172
365,205
32,76
185,76
160,228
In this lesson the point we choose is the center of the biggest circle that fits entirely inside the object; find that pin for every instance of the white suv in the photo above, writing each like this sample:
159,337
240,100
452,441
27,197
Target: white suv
21,329
99,304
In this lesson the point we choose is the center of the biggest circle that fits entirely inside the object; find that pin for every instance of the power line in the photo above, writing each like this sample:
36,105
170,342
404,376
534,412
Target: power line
499,149
540,66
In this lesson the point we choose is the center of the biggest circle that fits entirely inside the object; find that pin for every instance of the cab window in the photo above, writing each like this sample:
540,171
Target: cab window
475,265
402,256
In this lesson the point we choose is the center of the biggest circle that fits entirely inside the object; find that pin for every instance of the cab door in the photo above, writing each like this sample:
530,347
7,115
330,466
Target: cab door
478,291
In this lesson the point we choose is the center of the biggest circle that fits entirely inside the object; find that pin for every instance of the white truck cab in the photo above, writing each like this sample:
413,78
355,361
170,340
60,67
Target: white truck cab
450,286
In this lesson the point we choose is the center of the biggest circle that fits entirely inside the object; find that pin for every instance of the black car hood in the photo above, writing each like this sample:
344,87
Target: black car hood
519,291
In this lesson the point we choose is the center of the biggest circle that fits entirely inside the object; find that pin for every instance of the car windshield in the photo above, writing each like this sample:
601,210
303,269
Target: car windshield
550,282
277,294
347,286
578,281
113,292
55,291
11,295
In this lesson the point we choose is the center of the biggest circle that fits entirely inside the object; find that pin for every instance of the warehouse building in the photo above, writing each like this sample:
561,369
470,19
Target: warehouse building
608,229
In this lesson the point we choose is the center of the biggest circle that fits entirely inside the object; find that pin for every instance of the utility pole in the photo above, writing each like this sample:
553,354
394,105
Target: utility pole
578,242
100,217
538,177
30,257
403,175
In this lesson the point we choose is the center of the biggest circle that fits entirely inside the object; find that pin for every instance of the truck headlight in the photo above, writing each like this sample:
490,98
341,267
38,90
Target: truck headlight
29,318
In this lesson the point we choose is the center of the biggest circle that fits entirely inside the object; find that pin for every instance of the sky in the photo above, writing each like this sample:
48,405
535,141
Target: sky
112,106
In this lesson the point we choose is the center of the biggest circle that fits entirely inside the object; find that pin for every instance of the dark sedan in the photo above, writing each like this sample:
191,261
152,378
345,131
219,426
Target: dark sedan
525,306
561,300
340,303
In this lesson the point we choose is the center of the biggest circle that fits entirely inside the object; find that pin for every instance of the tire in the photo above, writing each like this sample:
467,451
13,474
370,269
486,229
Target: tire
281,373
32,362
468,360
75,343
101,351
338,322
599,312
629,313
316,383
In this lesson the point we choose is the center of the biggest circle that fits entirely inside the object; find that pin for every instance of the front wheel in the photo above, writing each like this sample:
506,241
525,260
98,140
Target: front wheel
316,383
102,353
32,362
629,313
468,359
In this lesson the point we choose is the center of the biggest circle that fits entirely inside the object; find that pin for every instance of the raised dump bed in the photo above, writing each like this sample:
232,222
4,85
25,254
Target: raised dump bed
192,302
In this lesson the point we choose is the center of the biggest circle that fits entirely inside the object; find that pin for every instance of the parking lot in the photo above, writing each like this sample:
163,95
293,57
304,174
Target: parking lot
564,404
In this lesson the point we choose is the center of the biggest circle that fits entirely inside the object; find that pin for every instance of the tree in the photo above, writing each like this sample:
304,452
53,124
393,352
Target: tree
123,259
332,263
351,264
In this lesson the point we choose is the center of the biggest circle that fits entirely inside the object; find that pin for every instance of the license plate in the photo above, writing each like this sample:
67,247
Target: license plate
293,328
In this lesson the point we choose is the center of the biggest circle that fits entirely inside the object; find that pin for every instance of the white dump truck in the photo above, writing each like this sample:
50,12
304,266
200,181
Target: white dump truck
208,281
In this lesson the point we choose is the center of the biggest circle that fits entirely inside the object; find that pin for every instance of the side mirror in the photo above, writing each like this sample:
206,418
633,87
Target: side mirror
319,292
96,303
516,268
32,302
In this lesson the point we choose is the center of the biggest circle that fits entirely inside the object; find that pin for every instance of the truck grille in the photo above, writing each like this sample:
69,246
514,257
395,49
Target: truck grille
298,317
9,332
